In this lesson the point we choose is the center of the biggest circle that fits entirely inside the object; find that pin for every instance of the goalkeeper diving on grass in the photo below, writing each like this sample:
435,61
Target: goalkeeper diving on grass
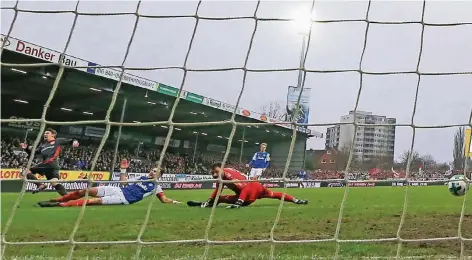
111,195
246,192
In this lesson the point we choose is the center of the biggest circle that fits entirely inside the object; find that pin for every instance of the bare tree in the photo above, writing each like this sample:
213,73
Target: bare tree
458,152
429,161
442,167
342,157
415,159
381,160
274,109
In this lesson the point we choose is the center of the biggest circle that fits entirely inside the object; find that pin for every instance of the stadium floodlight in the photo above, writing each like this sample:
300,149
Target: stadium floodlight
20,101
20,71
95,89
302,22
66,109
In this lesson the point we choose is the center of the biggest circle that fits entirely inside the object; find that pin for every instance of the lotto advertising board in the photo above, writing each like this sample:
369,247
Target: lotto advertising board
11,180
15,174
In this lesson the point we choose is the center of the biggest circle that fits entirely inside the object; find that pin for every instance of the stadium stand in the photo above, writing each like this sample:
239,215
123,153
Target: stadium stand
180,163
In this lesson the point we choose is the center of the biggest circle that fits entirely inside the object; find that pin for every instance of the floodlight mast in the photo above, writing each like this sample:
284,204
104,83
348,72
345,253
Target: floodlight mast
302,23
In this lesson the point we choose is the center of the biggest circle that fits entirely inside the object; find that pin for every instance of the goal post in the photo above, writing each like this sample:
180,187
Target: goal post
336,237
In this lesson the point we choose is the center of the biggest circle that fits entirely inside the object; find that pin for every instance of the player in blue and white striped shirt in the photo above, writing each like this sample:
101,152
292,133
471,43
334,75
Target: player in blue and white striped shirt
111,195
259,163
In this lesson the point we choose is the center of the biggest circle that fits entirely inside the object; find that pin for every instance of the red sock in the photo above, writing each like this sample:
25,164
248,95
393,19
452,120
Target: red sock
278,195
228,199
70,196
78,203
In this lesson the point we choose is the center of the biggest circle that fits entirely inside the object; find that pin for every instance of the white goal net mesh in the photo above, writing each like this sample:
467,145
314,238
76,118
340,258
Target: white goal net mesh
467,122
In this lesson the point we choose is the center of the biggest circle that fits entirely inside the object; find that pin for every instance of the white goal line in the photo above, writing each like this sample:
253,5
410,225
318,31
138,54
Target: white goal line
250,241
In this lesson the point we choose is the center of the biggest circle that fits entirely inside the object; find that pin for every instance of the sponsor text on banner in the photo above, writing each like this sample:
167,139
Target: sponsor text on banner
15,174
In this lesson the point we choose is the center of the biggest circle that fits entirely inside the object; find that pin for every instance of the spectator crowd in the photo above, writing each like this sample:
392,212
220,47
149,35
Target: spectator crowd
144,158
426,175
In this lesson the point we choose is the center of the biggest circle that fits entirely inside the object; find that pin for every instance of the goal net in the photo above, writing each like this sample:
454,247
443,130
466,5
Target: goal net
281,242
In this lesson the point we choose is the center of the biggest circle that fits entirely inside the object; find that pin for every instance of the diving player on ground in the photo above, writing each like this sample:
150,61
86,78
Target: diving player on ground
110,195
49,152
246,192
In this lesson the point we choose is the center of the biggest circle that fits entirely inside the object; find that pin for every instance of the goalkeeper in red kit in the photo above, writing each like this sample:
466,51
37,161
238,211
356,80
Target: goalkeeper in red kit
246,192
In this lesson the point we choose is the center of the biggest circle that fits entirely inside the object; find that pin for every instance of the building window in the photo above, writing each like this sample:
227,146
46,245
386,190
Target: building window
331,161
323,161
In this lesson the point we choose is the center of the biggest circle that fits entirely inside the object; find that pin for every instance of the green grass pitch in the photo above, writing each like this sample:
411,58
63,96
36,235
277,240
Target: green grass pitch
369,213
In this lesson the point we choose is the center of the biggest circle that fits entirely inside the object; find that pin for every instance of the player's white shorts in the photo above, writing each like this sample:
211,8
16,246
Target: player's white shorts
111,195
301,184
255,172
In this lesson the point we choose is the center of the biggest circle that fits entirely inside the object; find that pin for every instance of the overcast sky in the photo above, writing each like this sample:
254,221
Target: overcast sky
219,44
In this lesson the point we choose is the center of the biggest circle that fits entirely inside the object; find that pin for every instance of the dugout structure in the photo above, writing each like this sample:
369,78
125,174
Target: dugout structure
84,95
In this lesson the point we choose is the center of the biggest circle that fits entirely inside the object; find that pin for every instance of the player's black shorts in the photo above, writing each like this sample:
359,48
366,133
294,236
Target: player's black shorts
45,170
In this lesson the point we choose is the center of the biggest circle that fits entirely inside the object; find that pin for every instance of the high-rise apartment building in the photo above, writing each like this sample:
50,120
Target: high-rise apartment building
371,141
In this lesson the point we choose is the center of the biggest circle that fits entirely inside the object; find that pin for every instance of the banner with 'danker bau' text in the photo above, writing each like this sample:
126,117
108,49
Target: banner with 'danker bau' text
42,53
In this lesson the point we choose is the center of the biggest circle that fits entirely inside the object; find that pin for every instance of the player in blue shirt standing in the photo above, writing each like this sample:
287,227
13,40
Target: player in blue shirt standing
302,176
259,163
110,195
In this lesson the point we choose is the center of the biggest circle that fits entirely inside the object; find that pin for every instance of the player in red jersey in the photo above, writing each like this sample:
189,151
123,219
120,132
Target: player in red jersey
246,192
